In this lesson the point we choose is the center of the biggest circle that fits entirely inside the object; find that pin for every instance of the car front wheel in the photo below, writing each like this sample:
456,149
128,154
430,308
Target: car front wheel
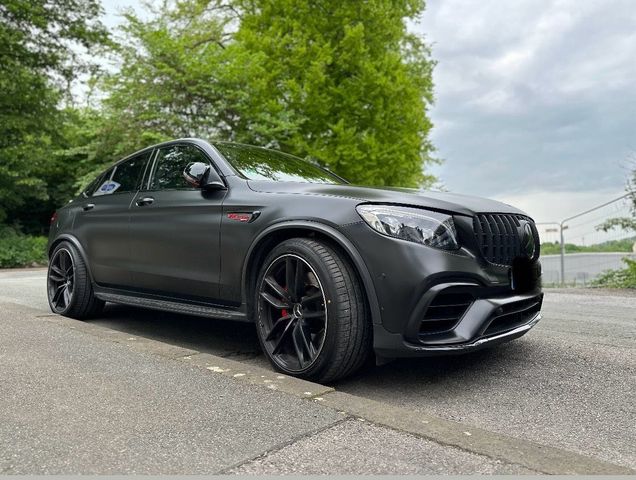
311,312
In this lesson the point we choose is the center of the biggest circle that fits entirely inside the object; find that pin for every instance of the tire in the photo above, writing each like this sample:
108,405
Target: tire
69,289
344,343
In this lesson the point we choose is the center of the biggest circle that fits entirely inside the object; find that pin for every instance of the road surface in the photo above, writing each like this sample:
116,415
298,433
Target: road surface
569,383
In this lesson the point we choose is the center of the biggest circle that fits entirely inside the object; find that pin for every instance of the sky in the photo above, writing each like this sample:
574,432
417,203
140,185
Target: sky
535,99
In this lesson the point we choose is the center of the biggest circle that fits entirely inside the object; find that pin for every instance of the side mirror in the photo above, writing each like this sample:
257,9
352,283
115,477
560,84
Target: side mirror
201,175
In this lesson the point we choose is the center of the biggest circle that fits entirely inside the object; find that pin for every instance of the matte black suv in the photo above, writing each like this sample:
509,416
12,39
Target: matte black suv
329,272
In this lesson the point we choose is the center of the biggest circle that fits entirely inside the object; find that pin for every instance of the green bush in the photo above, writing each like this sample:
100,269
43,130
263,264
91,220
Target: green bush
19,250
623,278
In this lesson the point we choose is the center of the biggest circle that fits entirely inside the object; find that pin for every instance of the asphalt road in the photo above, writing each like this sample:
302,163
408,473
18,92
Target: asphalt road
569,383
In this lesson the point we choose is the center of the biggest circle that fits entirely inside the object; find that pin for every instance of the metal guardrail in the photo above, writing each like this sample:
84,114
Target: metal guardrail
587,227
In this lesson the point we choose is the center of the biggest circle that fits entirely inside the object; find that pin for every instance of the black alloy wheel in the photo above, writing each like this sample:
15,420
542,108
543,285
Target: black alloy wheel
292,313
61,280
69,289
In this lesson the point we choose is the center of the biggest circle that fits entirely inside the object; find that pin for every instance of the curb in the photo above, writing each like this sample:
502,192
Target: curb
529,454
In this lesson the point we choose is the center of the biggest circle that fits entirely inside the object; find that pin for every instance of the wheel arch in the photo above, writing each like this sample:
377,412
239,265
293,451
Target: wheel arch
293,229
65,237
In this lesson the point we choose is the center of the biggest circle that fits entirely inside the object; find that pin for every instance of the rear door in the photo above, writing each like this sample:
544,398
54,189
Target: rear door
102,222
175,228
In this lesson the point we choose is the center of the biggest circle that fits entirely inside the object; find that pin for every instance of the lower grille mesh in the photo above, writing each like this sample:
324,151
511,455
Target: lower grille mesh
513,315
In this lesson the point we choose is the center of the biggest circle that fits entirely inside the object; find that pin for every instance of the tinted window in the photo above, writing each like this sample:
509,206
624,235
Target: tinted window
256,163
128,174
103,186
171,161
90,190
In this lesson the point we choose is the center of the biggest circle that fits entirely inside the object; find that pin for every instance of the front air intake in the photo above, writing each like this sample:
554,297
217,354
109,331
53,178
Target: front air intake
444,312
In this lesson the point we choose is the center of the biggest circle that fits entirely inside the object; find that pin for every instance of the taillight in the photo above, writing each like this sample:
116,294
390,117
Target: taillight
53,218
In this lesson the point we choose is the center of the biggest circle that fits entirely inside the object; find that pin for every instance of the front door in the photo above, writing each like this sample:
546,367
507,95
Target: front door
174,230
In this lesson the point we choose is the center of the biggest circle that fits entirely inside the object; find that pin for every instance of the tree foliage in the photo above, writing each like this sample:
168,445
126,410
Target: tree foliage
625,277
624,223
341,82
41,43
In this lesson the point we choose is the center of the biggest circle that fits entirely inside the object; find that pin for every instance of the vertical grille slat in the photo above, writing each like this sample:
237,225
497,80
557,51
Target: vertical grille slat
498,236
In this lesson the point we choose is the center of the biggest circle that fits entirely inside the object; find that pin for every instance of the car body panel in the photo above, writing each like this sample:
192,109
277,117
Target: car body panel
103,231
182,229
449,202
191,247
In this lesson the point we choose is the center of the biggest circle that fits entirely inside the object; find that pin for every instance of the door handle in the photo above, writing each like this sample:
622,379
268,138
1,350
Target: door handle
88,206
144,201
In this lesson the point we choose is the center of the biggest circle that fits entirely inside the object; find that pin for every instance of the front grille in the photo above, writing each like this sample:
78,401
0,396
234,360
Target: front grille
444,312
513,315
499,239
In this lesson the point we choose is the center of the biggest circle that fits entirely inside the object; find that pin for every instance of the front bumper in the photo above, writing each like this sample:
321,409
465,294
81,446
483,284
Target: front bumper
484,324
434,302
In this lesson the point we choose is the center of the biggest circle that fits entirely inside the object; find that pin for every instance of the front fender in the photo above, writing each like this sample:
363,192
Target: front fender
337,237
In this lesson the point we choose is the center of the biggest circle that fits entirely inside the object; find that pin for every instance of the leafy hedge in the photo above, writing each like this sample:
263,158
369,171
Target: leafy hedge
623,278
19,250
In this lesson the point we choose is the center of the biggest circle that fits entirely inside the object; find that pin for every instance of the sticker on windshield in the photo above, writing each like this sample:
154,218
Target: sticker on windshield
109,186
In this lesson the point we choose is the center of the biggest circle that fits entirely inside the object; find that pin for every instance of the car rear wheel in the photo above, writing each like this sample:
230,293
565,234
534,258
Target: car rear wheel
69,288
311,312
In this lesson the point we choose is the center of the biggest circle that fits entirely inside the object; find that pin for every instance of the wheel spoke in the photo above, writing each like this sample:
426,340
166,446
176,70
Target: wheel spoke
302,342
289,275
57,294
67,296
276,303
299,285
280,291
280,344
278,326
316,314
55,269
310,298
298,348
62,261
56,277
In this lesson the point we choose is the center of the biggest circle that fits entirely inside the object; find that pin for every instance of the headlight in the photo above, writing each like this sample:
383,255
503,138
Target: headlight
417,225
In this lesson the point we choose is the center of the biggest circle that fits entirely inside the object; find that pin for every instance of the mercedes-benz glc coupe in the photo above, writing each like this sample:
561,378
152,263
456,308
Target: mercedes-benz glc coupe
329,272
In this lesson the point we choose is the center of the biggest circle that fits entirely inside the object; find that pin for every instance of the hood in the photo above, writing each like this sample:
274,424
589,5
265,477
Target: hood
450,202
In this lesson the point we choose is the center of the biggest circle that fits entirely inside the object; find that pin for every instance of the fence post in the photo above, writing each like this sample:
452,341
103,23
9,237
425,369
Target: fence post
562,256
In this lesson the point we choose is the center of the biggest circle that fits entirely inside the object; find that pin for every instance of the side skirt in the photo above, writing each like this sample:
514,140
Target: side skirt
209,311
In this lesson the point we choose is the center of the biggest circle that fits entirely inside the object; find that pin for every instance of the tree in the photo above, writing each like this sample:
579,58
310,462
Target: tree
625,223
626,277
42,42
342,83
168,82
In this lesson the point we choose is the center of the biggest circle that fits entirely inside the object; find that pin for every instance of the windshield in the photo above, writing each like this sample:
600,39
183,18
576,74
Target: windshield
255,163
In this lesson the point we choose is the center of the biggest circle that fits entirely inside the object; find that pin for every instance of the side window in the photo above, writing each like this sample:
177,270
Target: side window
124,177
92,187
128,174
102,186
169,166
